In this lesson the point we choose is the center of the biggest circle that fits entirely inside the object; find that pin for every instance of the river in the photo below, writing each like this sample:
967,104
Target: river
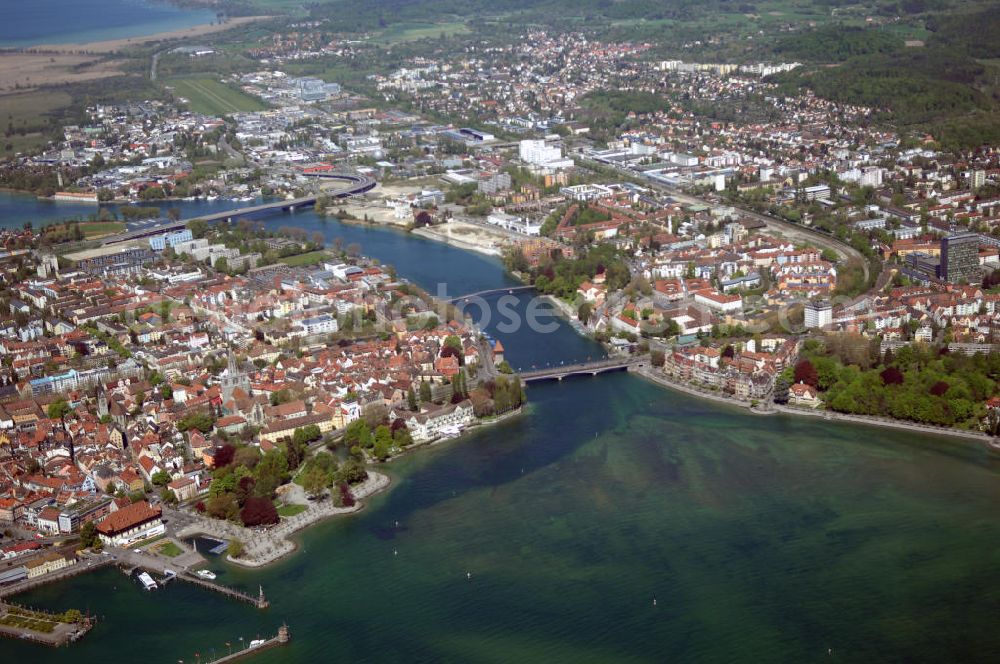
613,521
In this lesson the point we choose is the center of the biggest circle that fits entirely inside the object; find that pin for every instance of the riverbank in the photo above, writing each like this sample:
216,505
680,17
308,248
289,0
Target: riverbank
772,408
459,234
462,236
263,547
663,380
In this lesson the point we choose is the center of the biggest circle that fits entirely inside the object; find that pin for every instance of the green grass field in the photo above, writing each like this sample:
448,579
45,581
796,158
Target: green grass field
209,96
291,510
308,258
406,32
169,549
92,229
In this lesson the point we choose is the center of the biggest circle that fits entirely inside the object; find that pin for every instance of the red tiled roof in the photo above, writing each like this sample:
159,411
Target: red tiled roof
128,517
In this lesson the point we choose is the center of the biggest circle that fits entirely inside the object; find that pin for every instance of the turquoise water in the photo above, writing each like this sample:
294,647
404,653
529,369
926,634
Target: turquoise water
66,22
761,538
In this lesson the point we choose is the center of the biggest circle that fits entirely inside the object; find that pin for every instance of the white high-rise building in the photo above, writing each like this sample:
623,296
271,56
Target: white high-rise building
818,314
538,152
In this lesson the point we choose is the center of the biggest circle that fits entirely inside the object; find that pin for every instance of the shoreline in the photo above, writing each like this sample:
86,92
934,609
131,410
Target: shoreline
430,234
435,442
264,548
848,418
282,546
104,46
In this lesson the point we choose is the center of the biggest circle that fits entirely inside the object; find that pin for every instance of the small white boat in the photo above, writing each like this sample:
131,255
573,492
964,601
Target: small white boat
205,574
147,581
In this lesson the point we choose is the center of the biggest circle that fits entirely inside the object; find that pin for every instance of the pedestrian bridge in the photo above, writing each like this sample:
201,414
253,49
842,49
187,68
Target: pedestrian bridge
493,291
584,368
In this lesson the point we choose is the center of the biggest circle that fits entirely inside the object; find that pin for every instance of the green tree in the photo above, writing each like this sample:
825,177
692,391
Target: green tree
383,442
270,473
315,481
351,471
161,478
402,437
72,616
88,534
58,409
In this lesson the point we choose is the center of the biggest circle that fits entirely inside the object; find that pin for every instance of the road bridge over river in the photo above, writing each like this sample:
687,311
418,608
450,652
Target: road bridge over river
592,368
355,184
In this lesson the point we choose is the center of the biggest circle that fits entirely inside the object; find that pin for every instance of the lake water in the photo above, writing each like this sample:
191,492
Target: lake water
77,21
760,538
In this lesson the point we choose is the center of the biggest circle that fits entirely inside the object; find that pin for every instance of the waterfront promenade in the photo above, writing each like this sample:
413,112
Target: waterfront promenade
768,408
262,546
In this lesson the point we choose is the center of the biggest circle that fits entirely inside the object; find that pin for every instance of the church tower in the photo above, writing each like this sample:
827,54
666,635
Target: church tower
234,377
102,401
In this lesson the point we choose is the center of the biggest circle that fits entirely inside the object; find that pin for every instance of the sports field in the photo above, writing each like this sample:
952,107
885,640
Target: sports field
209,96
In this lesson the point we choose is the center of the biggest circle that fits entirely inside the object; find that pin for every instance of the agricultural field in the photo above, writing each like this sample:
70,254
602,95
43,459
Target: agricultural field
406,32
27,119
209,96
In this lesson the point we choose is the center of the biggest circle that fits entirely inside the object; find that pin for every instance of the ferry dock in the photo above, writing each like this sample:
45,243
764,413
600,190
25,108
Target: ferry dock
281,638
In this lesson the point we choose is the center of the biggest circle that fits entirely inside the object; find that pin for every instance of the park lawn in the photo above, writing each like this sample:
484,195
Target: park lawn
93,229
291,510
401,33
209,96
142,544
308,258
169,549
33,624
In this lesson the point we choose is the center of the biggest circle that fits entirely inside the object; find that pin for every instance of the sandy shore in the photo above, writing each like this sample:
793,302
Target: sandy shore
465,236
112,45
373,208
